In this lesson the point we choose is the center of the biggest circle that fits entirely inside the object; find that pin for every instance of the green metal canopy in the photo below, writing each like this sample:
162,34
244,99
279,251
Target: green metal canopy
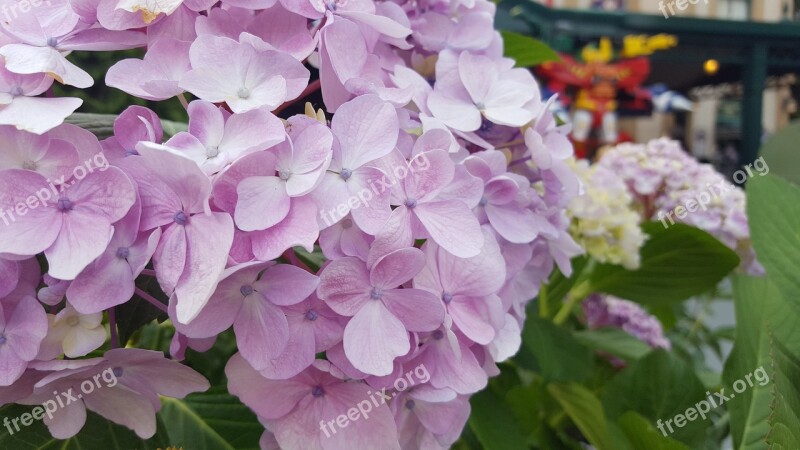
747,51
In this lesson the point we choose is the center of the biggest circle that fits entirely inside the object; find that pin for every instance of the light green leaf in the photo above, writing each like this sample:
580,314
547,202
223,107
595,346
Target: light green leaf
525,50
773,211
676,263
583,407
784,421
642,434
762,314
613,341
780,152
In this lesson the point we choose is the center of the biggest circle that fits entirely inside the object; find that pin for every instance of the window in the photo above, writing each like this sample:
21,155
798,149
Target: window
733,9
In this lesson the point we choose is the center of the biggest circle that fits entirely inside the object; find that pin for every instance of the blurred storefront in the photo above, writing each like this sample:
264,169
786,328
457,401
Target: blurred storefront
736,60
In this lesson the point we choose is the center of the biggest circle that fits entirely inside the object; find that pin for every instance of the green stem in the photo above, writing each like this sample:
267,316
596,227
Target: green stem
544,306
575,295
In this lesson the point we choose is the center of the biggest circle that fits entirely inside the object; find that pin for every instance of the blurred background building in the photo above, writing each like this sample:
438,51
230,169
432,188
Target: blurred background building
735,60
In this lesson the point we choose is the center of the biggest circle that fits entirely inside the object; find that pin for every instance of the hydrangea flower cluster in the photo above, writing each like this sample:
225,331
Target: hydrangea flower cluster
662,177
608,311
436,192
603,219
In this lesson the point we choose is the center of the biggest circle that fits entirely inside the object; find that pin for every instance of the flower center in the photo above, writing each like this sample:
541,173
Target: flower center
284,175
65,204
72,321
243,93
29,165
131,152
410,404
123,252
246,290
312,315
346,174
212,152
438,335
484,201
181,218
376,294
317,391
16,91
2,338
52,41
411,203
117,371
447,298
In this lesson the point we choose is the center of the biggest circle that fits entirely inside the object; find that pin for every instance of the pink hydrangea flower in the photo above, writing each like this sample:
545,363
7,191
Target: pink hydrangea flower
382,314
22,328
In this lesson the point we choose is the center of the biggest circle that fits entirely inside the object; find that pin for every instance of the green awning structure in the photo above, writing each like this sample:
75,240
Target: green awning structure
747,51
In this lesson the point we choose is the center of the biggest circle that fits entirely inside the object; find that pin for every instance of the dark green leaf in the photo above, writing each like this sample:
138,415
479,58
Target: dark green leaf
494,424
658,386
557,354
97,434
136,313
558,285
313,260
102,125
211,420
677,263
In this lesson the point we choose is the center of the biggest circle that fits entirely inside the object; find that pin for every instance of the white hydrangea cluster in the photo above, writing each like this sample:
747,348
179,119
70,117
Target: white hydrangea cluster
603,219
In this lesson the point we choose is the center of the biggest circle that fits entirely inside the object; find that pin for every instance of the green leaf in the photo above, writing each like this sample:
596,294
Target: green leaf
211,420
677,263
773,211
97,434
313,260
527,51
558,356
658,386
762,314
583,407
780,152
784,421
136,313
494,424
613,341
642,434
558,285
102,125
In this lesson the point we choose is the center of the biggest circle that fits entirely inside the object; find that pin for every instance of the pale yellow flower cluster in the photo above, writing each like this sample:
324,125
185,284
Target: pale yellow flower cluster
604,222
